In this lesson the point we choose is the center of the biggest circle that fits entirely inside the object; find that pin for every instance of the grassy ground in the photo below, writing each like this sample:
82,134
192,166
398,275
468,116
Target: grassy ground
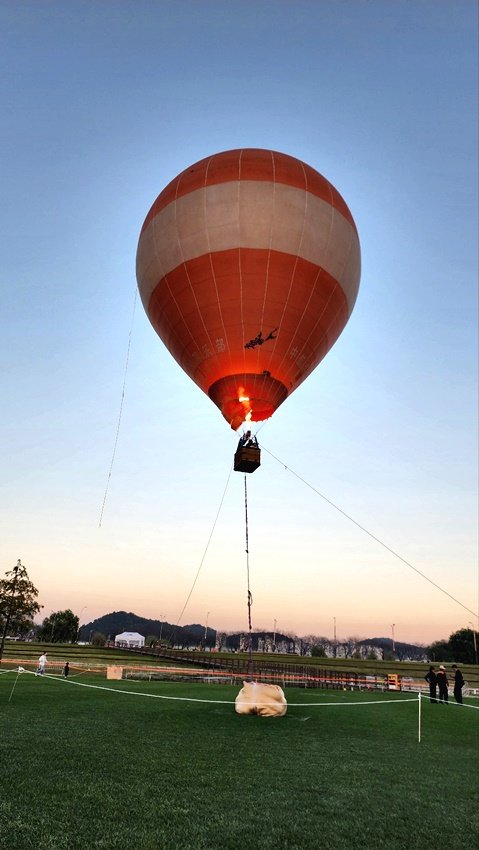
86,768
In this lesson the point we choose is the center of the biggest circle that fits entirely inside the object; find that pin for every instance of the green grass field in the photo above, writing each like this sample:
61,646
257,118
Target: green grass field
86,768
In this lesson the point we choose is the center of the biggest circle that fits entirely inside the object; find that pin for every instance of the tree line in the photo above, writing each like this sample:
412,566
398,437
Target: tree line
19,605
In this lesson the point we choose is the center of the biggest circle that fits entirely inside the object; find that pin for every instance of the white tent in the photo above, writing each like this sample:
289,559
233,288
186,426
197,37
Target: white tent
132,639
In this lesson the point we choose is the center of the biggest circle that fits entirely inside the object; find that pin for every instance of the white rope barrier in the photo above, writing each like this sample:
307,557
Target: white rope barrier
67,680
216,701
449,702
402,700
381,702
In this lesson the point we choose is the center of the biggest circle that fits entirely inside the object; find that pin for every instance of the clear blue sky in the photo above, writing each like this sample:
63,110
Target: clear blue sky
102,105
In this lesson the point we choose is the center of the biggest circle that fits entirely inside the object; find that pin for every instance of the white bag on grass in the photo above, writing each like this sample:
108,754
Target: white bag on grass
264,700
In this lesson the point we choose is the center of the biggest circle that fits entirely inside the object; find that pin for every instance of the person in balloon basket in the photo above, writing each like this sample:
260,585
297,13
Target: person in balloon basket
458,684
42,663
248,441
442,684
431,679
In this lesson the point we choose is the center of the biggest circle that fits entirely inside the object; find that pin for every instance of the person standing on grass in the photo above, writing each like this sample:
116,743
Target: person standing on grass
42,663
458,684
443,684
431,679
66,669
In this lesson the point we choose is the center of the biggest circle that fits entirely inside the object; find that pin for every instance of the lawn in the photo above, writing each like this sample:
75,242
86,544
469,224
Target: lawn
86,768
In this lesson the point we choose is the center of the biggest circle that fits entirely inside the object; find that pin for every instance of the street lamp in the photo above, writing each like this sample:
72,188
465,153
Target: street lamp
274,636
79,627
392,632
206,627
161,627
53,625
474,640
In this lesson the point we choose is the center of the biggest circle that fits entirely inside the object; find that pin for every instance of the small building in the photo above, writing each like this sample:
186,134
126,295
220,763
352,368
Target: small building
130,640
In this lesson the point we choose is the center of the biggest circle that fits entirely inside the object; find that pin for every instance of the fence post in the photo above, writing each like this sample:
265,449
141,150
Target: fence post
419,716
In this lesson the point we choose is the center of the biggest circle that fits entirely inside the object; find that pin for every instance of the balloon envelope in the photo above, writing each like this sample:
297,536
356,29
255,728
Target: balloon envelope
248,266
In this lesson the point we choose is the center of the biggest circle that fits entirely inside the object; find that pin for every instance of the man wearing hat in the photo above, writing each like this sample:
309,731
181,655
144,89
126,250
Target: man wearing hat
442,684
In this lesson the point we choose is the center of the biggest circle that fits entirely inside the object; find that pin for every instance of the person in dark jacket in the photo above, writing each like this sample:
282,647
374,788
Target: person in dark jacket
431,679
458,684
442,684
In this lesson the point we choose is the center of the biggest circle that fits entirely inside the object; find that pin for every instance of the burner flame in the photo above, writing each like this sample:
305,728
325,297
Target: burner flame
245,401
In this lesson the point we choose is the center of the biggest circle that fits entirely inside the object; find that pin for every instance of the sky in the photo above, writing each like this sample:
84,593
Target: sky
103,103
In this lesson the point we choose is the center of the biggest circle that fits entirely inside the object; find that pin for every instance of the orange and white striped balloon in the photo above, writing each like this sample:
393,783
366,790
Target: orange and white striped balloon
248,267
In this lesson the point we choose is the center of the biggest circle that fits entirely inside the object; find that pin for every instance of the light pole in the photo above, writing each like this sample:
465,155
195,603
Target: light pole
392,632
79,618
53,625
474,641
335,638
274,636
206,627
161,627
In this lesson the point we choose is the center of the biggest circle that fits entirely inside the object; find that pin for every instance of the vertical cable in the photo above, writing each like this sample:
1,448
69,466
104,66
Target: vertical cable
419,718
250,598
121,410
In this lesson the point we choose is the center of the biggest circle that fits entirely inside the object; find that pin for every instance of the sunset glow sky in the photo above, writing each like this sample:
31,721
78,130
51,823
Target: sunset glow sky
104,104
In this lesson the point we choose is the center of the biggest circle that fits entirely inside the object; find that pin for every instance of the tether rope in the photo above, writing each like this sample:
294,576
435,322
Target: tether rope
250,666
202,559
120,411
370,534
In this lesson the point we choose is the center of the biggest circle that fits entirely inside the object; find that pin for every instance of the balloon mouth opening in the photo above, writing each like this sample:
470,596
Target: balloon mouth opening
247,398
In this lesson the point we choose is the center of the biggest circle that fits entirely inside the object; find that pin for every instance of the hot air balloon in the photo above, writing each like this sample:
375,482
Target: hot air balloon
248,267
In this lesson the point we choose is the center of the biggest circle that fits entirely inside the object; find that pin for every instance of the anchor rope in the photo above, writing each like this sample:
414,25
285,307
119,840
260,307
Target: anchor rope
249,597
120,412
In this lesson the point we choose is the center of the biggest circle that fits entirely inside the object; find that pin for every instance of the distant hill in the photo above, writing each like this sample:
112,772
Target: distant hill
193,635
126,621
401,650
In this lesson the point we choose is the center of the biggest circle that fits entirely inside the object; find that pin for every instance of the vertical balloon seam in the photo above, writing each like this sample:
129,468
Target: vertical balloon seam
238,190
192,288
183,263
295,266
330,230
318,274
273,203
213,272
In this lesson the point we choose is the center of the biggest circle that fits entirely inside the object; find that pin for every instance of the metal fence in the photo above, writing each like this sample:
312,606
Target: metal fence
282,673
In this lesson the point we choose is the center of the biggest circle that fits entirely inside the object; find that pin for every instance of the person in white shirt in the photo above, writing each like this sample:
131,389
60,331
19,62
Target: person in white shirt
42,664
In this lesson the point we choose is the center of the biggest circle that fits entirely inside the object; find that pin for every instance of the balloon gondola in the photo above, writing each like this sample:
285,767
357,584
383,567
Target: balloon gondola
248,454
